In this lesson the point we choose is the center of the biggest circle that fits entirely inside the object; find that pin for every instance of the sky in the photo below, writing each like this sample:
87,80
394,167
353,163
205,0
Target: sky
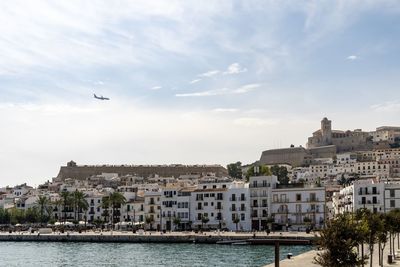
190,82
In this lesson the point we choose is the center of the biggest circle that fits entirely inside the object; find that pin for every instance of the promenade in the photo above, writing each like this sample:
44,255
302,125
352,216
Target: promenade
307,258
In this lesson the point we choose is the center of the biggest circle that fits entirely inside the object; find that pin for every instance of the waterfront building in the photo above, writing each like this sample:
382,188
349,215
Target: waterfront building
260,188
237,217
368,194
152,209
296,205
207,204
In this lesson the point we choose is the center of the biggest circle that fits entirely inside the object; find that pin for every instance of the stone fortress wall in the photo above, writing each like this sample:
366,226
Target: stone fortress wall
326,143
345,141
81,172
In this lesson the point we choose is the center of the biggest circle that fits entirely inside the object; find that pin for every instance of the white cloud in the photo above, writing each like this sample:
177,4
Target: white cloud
156,87
209,73
389,106
246,88
223,91
195,81
235,68
352,57
225,110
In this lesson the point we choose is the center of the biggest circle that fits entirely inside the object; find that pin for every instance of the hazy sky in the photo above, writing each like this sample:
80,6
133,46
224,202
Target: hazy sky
189,81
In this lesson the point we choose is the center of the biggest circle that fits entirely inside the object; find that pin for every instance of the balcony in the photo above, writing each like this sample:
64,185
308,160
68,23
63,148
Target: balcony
286,200
369,202
254,205
285,211
219,208
233,209
233,199
313,199
312,210
199,208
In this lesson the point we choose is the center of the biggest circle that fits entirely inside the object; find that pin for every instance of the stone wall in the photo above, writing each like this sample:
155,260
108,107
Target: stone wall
83,172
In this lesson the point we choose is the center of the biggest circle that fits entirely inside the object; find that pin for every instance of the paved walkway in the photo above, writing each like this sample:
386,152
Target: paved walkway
307,258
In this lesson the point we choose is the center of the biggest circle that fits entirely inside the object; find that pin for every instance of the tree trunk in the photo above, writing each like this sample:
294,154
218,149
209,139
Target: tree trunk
362,254
379,253
371,251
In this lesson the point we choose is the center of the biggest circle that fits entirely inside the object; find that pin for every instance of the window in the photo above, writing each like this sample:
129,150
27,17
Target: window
242,217
391,192
374,200
275,197
374,190
392,203
298,197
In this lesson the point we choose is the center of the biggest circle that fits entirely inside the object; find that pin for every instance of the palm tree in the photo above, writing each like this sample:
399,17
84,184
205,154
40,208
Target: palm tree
149,221
58,203
236,221
177,222
116,200
204,220
66,201
105,204
80,204
43,203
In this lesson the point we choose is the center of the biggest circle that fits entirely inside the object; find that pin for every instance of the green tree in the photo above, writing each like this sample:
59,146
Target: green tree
116,201
235,170
204,220
177,222
32,215
262,170
80,204
149,221
339,240
66,202
43,204
236,221
281,172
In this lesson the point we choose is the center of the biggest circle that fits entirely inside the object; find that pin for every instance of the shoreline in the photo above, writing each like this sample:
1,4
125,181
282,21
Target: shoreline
223,238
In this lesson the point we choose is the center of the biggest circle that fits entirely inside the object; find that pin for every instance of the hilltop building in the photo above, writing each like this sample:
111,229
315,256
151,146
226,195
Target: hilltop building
81,172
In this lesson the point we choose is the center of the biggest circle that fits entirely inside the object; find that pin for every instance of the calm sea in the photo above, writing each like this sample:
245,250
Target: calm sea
121,254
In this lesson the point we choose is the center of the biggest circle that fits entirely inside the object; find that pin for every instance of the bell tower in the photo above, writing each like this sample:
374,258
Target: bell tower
326,131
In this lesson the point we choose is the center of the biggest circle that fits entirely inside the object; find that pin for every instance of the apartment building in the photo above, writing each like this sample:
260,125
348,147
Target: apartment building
297,206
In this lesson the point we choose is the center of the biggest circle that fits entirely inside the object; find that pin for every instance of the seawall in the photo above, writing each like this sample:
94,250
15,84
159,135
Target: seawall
153,238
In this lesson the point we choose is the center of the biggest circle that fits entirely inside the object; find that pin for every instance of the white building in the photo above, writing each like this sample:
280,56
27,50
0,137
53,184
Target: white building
260,200
292,203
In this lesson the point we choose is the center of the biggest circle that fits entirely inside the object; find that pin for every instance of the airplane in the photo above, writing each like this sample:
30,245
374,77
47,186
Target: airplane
100,97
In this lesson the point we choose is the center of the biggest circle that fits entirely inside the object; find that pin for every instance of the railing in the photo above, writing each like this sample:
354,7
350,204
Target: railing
199,208
313,199
233,209
280,200
282,211
219,208
369,202
254,205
